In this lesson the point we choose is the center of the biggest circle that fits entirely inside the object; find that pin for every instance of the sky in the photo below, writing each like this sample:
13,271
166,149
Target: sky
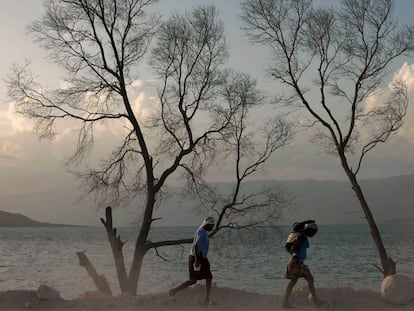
32,168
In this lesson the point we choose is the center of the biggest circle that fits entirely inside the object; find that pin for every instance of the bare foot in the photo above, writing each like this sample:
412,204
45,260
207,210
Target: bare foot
286,305
319,303
171,294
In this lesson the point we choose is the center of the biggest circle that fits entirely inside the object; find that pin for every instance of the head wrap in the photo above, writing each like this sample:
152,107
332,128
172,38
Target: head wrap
294,225
208,221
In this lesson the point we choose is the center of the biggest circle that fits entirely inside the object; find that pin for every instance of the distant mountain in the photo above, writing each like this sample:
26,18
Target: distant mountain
335,202
327,201
18,220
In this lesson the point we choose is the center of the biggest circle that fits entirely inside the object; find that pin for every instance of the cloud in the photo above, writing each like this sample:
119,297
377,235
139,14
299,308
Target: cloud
18,122
28,163
406,74
142,99
395,156
21,151
10,150
143,93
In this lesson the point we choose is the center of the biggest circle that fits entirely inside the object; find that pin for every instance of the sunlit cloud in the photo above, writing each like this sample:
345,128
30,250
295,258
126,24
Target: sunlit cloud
406,75
396,155
143,94
11,150
16,129
19,123
12,122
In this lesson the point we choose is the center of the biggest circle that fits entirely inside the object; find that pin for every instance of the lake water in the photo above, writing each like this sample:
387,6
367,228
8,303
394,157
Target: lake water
339,256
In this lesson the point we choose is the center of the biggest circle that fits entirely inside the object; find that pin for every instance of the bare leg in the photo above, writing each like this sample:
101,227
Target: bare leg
173,291
288,292
208,291
312,290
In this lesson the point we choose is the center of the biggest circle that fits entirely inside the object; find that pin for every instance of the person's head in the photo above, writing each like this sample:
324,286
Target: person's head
208,223
297,226
311,229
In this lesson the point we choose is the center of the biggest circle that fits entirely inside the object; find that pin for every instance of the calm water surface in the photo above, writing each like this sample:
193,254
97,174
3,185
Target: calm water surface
339,256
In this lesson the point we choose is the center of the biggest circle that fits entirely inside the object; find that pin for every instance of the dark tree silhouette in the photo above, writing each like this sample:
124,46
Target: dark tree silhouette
201,116
344,54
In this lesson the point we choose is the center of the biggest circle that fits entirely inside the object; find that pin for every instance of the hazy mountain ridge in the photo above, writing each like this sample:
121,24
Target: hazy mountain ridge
18,220
334,202
329,202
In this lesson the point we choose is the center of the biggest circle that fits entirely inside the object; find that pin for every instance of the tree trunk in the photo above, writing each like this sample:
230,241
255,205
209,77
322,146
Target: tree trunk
116,246
135,271
141,246
388,265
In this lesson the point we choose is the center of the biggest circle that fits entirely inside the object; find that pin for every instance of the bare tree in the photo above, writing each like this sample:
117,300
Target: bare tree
344,53
201,113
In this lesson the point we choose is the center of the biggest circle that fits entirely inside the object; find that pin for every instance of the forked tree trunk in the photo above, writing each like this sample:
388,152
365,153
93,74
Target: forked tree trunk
134,273
116,246
129,283
141,246
388,265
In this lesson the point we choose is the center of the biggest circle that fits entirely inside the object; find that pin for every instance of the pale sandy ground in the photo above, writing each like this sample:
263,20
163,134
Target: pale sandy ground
339,299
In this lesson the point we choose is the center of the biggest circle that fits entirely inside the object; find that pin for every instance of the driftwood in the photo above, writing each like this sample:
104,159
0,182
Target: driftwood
100,281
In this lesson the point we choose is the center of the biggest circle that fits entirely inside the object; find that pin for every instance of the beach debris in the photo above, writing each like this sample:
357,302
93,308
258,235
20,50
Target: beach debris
397,289
100,281
45,292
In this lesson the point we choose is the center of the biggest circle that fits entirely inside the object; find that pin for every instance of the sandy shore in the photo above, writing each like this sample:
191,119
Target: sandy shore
225,299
